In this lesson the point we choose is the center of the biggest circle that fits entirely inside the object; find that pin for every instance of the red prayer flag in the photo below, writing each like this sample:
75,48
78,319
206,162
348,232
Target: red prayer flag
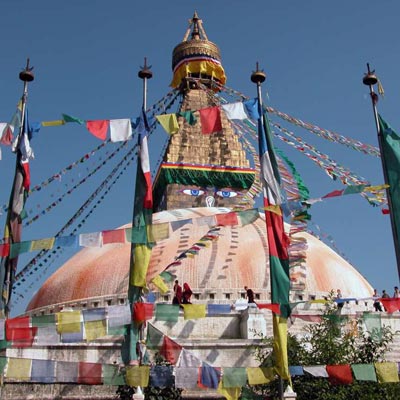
98,128
391,305
89,373
334,194
170,350
228,219
116,236
210,118
385,211
273,307
339,374
7,136
143,311
23,337
4,250
18,322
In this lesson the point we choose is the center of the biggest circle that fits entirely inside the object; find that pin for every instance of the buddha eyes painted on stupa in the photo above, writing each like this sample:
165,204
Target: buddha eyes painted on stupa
224,193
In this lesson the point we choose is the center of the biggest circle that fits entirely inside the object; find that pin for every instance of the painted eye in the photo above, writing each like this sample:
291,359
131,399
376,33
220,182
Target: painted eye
226,193
193,192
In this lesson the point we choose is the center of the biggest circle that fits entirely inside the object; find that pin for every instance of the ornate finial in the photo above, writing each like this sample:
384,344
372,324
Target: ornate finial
370,78
26,74
258,76
145,72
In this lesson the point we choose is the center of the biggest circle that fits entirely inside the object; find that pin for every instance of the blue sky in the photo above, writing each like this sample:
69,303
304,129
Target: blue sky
86,56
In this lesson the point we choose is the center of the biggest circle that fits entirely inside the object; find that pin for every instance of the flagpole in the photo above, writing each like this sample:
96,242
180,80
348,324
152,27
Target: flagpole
370,80
26,75
258,77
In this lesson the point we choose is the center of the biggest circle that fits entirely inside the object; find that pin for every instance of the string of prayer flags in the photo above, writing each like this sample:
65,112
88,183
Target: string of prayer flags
210,119
120,129
169,122
98,128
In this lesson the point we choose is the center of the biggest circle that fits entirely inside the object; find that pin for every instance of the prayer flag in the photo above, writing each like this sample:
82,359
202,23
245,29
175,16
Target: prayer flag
169,122
143,311
137,376
93,239
112,375
213,309
278,243
19,368
95,329
66,372
273,307
98,128
120,129
390,305
259,376
232,393
188,359
209,376
94,314
318,371
89,373
234,110
386,372
364,372
57,122
160,284
69,118
390,142
189,116
210,119
186,378
170,350
43,371
68,322
228,219
42,244
161,376
373,324
339,374
167,312
115,236
154,338
252,110
248,216
119,315
234,377
15,212
194,311
296,370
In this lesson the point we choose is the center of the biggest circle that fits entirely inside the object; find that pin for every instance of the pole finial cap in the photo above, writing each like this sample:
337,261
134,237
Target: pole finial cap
258,76
145,72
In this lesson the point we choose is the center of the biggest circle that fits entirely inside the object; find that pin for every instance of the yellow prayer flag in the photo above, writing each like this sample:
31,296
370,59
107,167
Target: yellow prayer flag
194,311
229,393
142,259
274,209
160,284
19,368
159,232
386,372
42,244
280,347
68,321
318,301
53,123
95,329
169,122
259,376
375,188
137,375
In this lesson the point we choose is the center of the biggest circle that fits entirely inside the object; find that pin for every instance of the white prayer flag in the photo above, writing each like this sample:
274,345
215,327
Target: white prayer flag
120,129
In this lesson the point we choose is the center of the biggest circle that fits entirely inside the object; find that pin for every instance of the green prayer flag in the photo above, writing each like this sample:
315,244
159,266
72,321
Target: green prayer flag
364,372
234,377
69,118
167,312
112,375
43,320
19,248
248,216
373,324
117,330
352,189
167,276
391,163
154,338
189,117
3,363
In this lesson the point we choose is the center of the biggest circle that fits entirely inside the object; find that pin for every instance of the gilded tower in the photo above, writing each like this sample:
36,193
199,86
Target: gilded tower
200,169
